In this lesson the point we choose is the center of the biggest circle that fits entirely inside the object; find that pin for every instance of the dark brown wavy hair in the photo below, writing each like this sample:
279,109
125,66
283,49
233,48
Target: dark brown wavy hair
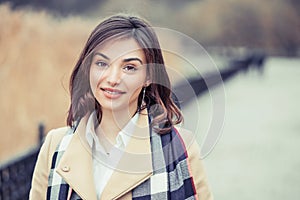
157,99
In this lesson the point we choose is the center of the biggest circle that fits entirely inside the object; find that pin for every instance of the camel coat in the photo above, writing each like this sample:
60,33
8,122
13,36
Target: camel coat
76,166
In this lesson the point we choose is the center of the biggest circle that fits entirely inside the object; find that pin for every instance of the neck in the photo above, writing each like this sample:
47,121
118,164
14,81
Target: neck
112,123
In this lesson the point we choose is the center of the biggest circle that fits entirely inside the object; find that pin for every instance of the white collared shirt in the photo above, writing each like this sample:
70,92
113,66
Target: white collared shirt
103,163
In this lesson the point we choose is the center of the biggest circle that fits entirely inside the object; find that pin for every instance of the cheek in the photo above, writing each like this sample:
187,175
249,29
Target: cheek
134,88
92,82
95,78
134,83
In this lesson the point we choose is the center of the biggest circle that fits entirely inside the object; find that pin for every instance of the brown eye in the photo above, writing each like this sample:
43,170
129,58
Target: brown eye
130,68
101,64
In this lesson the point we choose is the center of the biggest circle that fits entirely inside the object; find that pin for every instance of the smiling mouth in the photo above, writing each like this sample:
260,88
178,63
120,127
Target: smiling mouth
112,91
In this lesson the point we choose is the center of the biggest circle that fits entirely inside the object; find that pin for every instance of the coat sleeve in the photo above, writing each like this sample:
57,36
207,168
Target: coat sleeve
198,172
39,182
196,165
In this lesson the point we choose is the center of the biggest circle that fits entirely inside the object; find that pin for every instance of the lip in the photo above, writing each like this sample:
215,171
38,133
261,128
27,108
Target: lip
112,93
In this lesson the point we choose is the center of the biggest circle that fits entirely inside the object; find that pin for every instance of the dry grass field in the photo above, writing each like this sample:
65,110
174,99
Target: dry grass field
37,53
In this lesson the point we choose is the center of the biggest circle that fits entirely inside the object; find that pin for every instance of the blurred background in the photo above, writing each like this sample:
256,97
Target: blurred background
255,45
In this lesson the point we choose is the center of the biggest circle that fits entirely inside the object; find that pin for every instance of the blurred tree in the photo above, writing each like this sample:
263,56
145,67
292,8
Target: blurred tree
271,25
65,7
242,26
296,5
286,28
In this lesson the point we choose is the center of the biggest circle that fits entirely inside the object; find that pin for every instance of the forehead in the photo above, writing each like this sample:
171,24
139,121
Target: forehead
121,48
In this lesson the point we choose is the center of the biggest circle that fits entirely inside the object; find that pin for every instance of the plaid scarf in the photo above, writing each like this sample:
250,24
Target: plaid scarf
171,177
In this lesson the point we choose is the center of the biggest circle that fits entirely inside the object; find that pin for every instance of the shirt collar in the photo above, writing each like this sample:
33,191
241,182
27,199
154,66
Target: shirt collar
122,138
126,132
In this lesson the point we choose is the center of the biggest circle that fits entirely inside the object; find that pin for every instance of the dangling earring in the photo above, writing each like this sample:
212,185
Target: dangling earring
142,102
144,91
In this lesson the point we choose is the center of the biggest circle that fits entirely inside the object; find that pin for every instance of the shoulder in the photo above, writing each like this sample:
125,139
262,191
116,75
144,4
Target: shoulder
179,136
55,135
43,163
51,141
187,138
196,165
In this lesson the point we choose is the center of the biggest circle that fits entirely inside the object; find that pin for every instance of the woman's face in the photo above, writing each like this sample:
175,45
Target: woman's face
118,74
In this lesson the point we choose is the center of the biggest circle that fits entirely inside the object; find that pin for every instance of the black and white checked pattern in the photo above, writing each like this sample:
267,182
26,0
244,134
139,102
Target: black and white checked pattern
171,178
57,187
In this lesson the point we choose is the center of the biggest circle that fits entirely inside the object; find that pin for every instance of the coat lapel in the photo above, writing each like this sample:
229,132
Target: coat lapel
76,166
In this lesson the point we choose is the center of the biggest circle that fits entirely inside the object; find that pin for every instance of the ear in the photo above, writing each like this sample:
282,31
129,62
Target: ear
147,83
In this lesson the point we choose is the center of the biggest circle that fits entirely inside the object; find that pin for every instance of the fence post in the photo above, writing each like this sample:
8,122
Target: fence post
41,133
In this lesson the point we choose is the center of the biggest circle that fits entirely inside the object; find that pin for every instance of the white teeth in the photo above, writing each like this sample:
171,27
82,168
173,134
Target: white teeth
110,92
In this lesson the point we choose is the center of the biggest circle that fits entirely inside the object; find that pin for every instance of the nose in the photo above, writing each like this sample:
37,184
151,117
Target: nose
113,76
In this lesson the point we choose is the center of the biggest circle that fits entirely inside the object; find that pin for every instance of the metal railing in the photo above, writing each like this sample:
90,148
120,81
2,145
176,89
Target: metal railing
202,83
16,175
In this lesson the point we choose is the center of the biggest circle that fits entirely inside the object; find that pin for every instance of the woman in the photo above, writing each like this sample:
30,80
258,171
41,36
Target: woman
121,141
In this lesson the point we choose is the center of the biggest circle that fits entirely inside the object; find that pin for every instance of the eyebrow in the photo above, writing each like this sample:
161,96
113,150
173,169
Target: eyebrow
124,60
132,59
102,55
